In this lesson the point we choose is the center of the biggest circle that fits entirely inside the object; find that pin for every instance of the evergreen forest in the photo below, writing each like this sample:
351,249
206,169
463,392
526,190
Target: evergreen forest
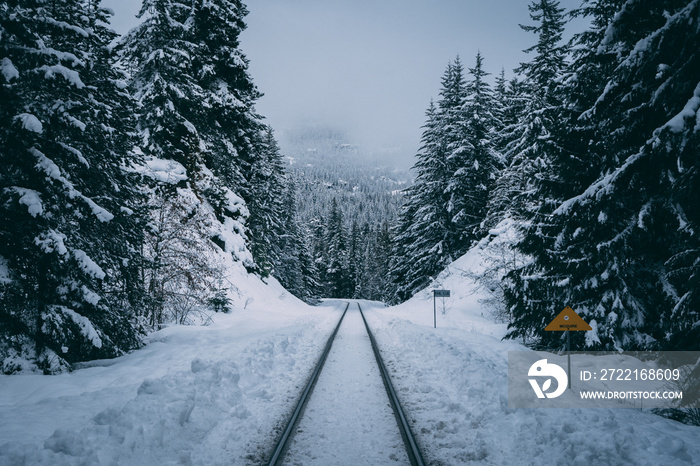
136,170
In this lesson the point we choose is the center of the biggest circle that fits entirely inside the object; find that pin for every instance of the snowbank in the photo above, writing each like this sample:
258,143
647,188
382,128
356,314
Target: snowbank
220,394
194,395
452,382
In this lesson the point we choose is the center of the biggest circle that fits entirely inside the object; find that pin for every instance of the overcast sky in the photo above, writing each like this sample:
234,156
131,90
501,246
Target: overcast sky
368,67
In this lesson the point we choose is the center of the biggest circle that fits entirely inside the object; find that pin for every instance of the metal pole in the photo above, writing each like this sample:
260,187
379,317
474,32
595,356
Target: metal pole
568,355
434,312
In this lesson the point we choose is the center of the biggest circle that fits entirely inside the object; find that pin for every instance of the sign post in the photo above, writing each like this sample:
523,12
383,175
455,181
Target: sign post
567,321
440,294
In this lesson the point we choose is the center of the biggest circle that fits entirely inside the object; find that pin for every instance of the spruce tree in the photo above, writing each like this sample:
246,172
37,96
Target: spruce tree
69,240
529,184
159,55
196,111
421,249
401,249
623,249
476,172
232,127
196,97
266,188
295,269
445,209
449,173
511,101
531,145
337,282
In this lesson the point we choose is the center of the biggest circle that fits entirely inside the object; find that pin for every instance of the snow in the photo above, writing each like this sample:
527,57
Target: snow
46,164
76,152
101,213
51,241
452,382
84,323
72,76
690,110
52,171
30,123
210,395
29,198
66,26
166,171
349,388
601,187
8,69
220,394
87,265
90,296
75,122
4,272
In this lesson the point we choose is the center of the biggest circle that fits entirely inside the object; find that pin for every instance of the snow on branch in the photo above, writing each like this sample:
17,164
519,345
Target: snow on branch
86,327
66,26
29,198
600,187
690,110
87,265
8,69
71,76
30,122
51,169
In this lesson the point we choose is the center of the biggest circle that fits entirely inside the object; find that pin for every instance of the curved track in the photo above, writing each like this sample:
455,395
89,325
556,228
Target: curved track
413,454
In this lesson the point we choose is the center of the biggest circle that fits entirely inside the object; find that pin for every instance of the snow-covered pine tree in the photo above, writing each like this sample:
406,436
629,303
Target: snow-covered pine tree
319,253
69,235
453,133
311,288
372,265
500,108
444,210
159,55
530,143
624,250
191,83
354,258
241,151
420,249
295,268
400,267
266,187
195,93
231,127
510,103
476,172
337,283
529,180
381,263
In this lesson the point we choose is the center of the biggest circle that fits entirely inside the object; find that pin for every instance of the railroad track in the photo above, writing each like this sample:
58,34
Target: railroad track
411,447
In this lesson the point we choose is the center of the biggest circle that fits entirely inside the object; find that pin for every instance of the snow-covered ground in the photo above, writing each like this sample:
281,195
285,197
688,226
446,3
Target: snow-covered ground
453,385
194,395
220,394
348,419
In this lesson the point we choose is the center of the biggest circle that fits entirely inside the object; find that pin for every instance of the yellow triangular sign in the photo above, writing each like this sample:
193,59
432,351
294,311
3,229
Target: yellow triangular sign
567,320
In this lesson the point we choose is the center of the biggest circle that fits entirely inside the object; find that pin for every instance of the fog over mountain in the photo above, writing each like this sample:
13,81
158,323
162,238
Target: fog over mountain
367,68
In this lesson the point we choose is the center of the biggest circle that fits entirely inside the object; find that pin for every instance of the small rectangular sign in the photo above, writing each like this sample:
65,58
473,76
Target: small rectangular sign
442,293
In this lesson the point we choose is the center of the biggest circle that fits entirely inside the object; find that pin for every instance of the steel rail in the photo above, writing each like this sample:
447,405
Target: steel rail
284,441
414,454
